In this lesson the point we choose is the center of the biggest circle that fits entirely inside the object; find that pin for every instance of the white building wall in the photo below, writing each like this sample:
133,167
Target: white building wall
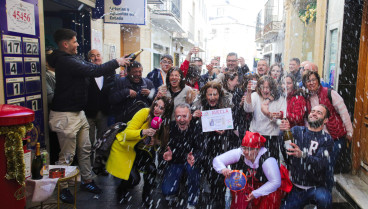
334,22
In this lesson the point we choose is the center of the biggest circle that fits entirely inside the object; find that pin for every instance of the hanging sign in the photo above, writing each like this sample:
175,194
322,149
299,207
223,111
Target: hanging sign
125,11
21,17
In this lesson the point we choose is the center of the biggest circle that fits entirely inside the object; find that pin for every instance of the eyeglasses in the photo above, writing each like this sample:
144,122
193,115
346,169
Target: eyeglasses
231,60
166,62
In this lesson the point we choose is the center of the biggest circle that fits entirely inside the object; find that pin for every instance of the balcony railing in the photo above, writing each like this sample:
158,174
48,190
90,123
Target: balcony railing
169,7
259,35
272,27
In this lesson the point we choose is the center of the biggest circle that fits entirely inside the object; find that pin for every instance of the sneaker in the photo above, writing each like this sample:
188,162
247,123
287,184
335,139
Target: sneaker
91,187
66,196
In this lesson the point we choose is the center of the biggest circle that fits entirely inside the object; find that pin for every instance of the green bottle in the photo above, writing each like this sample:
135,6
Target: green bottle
36,168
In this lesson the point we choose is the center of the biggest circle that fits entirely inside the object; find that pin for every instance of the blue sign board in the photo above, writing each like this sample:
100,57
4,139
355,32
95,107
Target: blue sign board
20,45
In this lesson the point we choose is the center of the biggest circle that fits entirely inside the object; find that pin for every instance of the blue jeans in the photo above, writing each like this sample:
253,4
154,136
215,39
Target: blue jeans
339,145
171,181
298,198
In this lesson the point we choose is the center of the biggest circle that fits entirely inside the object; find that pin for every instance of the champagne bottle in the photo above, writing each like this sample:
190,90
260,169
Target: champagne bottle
288,138
134,55
36,168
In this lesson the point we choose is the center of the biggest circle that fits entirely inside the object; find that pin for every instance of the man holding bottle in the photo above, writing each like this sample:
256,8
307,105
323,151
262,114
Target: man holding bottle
308,161
67,117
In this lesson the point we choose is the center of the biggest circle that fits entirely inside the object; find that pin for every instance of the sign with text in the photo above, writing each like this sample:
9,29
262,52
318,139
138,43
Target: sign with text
13,65
21,17
96,43
125,12
21,60
219,119
12,44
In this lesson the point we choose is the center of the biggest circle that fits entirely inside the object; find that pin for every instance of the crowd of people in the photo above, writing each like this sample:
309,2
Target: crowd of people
264,103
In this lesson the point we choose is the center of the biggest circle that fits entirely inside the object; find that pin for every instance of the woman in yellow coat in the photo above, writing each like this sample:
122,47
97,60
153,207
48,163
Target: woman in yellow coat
126,155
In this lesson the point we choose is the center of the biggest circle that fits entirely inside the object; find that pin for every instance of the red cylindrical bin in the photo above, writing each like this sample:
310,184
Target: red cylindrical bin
11,115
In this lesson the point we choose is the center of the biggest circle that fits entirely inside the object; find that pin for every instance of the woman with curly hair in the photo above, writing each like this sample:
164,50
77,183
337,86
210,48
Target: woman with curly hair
132,151
267,106
216,142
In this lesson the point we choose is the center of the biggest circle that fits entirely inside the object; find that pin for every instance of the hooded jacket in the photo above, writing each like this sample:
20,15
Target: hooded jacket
71,73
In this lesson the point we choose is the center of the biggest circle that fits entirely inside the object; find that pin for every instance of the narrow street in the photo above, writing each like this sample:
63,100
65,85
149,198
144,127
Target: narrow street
107,200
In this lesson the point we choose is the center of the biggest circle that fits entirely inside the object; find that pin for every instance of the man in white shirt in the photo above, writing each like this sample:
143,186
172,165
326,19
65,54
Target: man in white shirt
98,107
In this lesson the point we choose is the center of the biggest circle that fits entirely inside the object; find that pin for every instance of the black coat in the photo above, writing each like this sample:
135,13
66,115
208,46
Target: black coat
241,118
71,74
98,99
183,142
123,106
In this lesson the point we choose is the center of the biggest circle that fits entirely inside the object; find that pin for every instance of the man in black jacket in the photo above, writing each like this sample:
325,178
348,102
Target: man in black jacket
232,64
67,117
98,106
131,93
183,156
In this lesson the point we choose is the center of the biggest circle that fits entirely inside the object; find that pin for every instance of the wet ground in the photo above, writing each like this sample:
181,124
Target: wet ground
107,200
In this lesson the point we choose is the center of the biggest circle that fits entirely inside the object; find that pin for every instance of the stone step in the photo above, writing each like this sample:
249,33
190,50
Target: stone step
353,188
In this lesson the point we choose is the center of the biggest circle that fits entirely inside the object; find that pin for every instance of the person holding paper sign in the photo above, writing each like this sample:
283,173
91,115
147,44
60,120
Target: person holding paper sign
212,97
267,106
